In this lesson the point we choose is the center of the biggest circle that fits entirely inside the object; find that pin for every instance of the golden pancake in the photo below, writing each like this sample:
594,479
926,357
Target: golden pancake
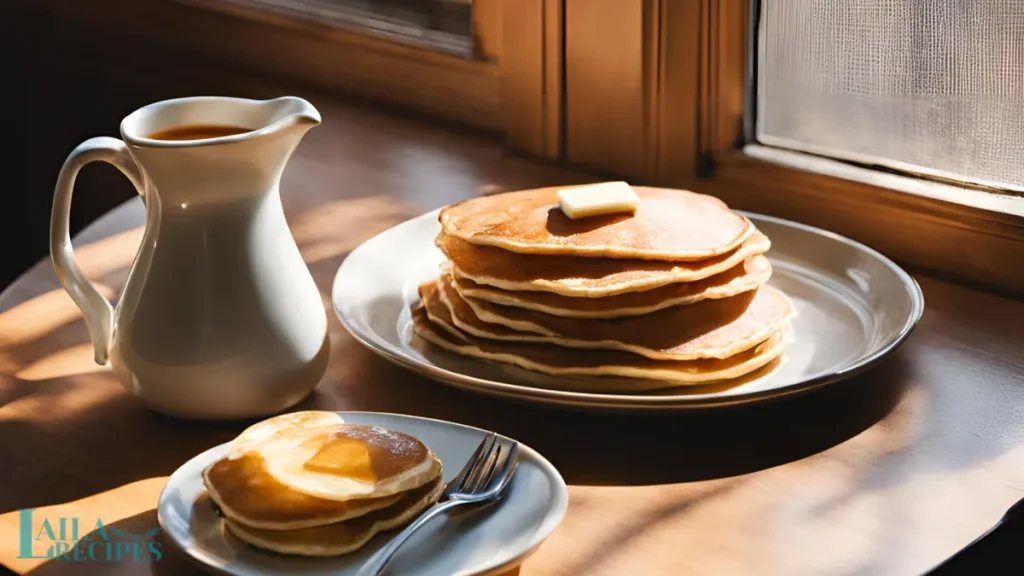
650,374
668,225
749,275
347,461
342,537
248,495
584,277
243,490
708,329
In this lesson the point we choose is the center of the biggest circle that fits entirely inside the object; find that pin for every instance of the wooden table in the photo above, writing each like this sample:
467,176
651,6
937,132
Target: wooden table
888,473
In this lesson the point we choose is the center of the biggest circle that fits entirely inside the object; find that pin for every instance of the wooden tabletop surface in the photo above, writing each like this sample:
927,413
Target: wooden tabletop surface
887,473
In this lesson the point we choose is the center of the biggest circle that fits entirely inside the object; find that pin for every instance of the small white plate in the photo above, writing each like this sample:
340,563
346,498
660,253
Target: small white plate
853,307
485,542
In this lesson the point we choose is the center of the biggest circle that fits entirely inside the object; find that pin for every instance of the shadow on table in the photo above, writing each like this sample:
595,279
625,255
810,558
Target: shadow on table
128,442
112,443
716,443
612,449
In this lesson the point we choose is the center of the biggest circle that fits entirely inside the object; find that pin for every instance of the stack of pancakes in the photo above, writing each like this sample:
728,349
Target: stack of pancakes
307,483
673,294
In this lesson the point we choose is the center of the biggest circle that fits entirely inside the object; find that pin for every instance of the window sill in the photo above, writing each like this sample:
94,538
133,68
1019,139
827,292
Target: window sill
1006,203
970,234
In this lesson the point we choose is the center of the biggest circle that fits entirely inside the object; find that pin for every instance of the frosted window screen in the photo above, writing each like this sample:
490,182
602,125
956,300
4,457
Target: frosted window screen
928,86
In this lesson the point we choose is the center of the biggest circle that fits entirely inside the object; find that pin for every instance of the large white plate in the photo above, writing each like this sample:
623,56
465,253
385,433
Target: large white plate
853,307
485,542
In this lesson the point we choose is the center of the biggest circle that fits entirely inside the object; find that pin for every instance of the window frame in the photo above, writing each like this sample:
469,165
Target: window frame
697,135
967,232
513,90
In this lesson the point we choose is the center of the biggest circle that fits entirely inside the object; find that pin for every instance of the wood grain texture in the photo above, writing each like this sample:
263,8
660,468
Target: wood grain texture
726,60
531,76
554,79
523,65
487,37
678,121
884,474
607,86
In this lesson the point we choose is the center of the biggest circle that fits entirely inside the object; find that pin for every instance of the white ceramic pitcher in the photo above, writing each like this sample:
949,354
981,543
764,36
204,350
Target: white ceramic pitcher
219,317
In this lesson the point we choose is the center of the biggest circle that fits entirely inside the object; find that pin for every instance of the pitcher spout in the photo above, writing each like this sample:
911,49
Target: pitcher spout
292,112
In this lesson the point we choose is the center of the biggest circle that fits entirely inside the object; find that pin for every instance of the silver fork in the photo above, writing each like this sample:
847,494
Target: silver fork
482,480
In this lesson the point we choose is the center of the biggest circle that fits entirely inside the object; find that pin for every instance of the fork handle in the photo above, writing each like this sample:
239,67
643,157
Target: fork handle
376,564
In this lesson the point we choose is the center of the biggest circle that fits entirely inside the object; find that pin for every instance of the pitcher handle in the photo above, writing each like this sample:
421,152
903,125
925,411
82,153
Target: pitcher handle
98,313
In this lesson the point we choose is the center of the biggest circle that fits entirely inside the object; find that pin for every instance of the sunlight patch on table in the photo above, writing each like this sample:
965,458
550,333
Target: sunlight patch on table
50,403
79,359
652,524
337,227
41,315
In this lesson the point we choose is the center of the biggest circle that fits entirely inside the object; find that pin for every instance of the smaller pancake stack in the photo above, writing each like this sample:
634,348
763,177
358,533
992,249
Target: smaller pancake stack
673,294
307,483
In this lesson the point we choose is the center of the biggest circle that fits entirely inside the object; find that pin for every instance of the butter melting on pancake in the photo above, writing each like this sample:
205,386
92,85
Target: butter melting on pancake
752,273
348,461
342,537
267,429
585,277
432,322
708,329
668,225
248,495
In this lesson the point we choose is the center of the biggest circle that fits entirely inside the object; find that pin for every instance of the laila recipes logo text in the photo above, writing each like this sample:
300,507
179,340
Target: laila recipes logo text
74,539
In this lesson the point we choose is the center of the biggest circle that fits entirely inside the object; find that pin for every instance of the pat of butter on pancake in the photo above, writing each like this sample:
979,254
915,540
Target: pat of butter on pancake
343,457
598,199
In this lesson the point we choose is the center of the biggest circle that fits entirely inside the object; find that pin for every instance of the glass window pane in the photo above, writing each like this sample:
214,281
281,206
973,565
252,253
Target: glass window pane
928,86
